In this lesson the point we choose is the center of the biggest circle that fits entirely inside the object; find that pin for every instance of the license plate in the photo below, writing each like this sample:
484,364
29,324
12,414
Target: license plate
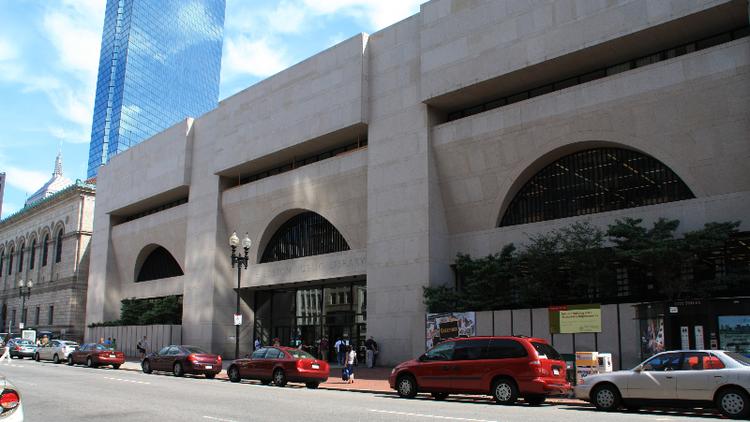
113,356
556,371
315,366
209,367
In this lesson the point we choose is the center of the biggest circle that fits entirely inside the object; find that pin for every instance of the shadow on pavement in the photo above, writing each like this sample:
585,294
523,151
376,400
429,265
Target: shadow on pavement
683,413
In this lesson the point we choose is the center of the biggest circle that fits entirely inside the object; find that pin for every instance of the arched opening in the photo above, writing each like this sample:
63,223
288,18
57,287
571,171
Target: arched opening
592,181
20,257
45,250
305,234
2,261
159,263
10,261
58,246
32,254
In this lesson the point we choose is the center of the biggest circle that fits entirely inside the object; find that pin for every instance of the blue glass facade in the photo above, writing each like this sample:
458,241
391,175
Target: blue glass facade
160,63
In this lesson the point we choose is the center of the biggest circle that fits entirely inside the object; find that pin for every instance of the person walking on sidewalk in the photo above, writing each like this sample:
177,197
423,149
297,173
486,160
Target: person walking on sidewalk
142,347
371,348
323,348
351,357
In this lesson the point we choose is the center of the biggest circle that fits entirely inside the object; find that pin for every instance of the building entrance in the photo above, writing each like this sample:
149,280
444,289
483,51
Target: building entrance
305,316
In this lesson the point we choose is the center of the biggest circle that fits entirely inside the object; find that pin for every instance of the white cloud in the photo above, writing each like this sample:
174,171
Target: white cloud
378,13
76,136
25,180
7,51
258,58
77,43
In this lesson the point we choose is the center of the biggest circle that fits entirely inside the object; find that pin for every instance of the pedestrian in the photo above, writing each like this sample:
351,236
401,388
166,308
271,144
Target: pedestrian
6,353
142,347
371,350
108,342
101,340
351,357
114,344
340,348
276,342
323,348
257,344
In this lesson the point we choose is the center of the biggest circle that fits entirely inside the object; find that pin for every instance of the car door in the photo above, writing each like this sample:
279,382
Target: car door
699,375
656,379
469,365
264,367
249,367
158,362
45,353
435,370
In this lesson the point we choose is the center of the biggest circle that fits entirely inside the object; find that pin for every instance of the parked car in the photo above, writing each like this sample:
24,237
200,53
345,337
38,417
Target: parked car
684,378
181,360
504,367
21,348
280,365
11,407
55,350
94,355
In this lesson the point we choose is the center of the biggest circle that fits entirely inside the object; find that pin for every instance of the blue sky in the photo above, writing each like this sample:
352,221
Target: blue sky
49,52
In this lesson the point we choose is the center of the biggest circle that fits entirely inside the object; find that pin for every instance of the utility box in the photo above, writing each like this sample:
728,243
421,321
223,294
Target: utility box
604,362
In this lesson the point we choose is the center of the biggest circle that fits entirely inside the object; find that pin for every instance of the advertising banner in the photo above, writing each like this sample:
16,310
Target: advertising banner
441,326
652,337
571,319
734,333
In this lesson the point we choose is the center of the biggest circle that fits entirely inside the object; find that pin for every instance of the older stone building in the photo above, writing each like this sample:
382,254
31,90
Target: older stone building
361,172
45,245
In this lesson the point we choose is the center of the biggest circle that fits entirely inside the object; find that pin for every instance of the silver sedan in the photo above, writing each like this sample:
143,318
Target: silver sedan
55,350
684,378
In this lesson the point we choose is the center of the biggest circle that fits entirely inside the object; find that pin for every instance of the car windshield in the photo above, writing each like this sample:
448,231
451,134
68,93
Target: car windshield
101,347
742,359
546,351
299,354
193,349
24,342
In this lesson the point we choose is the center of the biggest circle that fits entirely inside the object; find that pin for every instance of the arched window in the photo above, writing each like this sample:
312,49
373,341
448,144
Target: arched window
159,264
45,250
2,261
32,255
593,181
20,257
58,246
303,235
10,261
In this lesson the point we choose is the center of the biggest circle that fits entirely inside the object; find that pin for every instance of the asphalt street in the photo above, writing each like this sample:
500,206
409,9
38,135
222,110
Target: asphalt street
63,393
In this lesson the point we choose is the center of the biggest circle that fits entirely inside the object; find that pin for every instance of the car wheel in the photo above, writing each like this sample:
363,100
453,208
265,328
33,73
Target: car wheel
265,382
406,386
606,397
279,377
146,366
440,396
70,360
115,366
234,374
55,358
36,357
89,362
733,403
177,370
312,385
535,400
504,391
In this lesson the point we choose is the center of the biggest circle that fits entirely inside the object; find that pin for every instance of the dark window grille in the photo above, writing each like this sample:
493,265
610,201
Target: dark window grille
2,261
593,181
32,257
58,247
159,264
10,262
305,234
20,257
45,250
51,315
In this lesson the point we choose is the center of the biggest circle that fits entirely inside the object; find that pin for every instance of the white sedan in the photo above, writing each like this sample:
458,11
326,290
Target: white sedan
692,378
55,350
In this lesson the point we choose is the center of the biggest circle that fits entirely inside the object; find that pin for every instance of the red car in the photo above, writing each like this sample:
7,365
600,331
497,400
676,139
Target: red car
181,360
504,367
93,355
280,365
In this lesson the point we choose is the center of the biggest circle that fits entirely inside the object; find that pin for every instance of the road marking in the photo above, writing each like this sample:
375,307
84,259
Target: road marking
429,416
124,380
218,419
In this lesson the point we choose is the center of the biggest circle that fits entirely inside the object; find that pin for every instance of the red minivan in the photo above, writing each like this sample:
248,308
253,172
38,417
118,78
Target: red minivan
504,367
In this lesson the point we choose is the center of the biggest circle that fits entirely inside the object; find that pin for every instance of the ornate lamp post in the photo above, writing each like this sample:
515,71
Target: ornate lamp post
240,261
24,290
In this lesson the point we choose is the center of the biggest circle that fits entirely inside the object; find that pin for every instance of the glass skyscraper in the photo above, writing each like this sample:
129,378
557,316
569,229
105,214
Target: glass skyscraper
160,63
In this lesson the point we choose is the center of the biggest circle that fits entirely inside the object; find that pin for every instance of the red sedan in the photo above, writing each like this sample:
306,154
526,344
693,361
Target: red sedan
280,365
94,355
181,360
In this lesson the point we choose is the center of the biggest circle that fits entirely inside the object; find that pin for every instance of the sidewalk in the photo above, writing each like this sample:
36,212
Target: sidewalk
366,380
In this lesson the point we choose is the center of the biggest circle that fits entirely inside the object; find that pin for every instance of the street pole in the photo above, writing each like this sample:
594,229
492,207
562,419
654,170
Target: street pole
236,326
241,261
24,289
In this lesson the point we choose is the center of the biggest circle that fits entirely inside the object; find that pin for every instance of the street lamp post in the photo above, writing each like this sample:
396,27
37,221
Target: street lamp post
241,261
24,290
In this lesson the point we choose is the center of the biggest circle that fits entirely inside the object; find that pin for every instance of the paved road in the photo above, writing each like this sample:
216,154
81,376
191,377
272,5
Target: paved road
63,393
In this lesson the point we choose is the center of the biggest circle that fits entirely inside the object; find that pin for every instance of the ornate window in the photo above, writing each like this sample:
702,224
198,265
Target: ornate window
10,261
32,255
159,264
20,257
593,181
58,246
45,250
2,261
305,234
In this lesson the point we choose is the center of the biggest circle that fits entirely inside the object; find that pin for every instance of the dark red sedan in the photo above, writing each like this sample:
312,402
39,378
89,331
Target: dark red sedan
94,355
280,365
181,360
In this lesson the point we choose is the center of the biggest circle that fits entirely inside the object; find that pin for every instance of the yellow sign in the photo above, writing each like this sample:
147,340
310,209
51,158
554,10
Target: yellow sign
585,320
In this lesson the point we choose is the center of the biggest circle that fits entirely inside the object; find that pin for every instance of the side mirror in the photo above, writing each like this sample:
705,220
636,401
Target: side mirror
422,358
638,368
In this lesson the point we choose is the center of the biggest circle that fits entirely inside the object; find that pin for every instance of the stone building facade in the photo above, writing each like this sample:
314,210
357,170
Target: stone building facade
47,243
414,144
